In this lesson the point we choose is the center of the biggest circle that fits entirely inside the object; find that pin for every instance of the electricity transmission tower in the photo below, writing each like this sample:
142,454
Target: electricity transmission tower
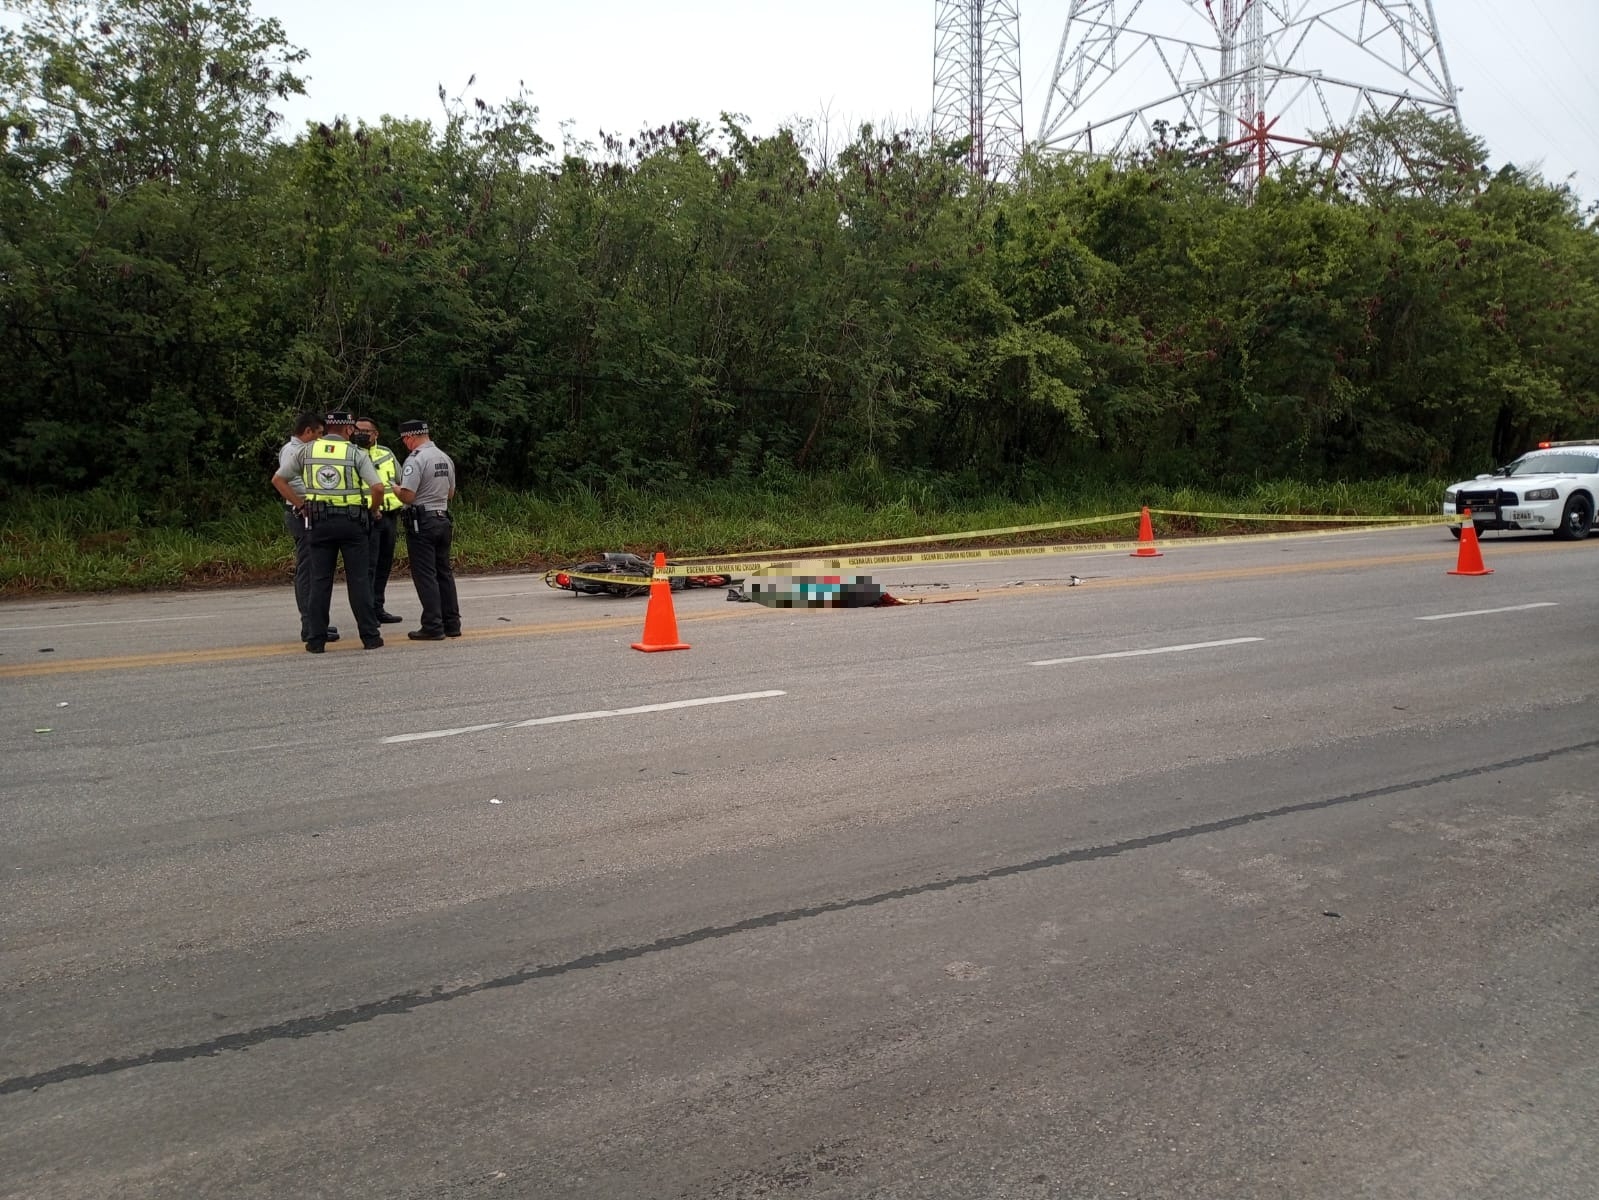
977,81
1259,78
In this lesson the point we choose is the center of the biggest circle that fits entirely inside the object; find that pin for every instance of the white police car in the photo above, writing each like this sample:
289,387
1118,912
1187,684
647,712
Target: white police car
1554,487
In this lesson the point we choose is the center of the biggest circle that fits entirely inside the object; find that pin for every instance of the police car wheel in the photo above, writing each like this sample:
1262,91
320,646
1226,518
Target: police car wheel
1577,520
1454,532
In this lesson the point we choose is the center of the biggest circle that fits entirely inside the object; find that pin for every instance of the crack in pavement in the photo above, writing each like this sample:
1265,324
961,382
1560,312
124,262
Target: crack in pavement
405,1002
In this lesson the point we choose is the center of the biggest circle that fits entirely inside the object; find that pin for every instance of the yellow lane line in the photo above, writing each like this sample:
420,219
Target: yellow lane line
182,658
1224,574
168,658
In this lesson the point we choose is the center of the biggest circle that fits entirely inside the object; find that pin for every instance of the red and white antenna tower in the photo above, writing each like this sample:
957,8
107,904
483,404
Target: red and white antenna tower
977,81
1260,76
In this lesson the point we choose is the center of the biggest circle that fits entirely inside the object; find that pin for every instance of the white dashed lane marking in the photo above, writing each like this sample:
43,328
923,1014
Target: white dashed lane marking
1488,612
564,718
1055,662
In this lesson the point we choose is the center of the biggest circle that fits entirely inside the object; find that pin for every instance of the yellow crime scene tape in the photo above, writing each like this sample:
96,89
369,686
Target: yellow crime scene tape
812,560
1004,531
748,565
1304,518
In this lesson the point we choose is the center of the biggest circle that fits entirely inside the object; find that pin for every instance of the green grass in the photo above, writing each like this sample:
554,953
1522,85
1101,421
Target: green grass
100,541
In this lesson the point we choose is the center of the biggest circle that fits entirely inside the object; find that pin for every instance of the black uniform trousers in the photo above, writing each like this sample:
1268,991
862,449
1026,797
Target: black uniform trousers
427,541
335,534
385,532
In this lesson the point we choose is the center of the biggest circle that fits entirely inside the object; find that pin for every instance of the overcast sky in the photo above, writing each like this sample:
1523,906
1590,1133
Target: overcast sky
1528,82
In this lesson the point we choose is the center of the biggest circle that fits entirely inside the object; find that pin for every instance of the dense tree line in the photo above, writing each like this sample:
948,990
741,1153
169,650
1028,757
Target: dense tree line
179,276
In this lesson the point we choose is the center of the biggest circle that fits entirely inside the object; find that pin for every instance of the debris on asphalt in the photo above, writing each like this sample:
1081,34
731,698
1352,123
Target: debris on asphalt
496,800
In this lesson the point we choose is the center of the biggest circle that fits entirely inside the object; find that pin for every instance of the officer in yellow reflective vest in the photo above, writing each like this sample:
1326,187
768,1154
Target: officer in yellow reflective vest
342,492
385,528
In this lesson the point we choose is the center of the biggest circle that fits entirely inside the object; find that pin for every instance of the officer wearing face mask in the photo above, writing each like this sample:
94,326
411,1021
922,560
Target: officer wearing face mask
385,527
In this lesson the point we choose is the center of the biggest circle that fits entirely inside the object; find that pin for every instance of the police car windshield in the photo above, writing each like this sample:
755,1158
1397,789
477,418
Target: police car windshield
1553,464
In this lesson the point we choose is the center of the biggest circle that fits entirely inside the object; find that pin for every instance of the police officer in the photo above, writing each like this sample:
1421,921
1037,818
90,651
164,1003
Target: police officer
307,428
341,490
385,528
427,485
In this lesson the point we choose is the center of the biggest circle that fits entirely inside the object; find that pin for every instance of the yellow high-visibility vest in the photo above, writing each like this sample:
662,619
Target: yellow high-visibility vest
329,475
388,467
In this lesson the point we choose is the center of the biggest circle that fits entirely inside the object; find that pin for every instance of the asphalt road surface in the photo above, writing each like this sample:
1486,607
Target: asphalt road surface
1255,870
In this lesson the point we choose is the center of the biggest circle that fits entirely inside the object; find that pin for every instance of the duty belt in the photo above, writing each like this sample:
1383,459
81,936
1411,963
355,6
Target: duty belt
323,508
411,516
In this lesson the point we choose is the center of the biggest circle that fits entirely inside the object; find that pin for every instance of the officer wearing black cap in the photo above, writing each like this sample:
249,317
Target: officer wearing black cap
341,492
427,485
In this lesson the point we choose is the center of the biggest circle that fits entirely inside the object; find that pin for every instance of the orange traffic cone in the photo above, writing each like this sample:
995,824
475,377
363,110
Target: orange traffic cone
1470,560
1146,538
660,622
